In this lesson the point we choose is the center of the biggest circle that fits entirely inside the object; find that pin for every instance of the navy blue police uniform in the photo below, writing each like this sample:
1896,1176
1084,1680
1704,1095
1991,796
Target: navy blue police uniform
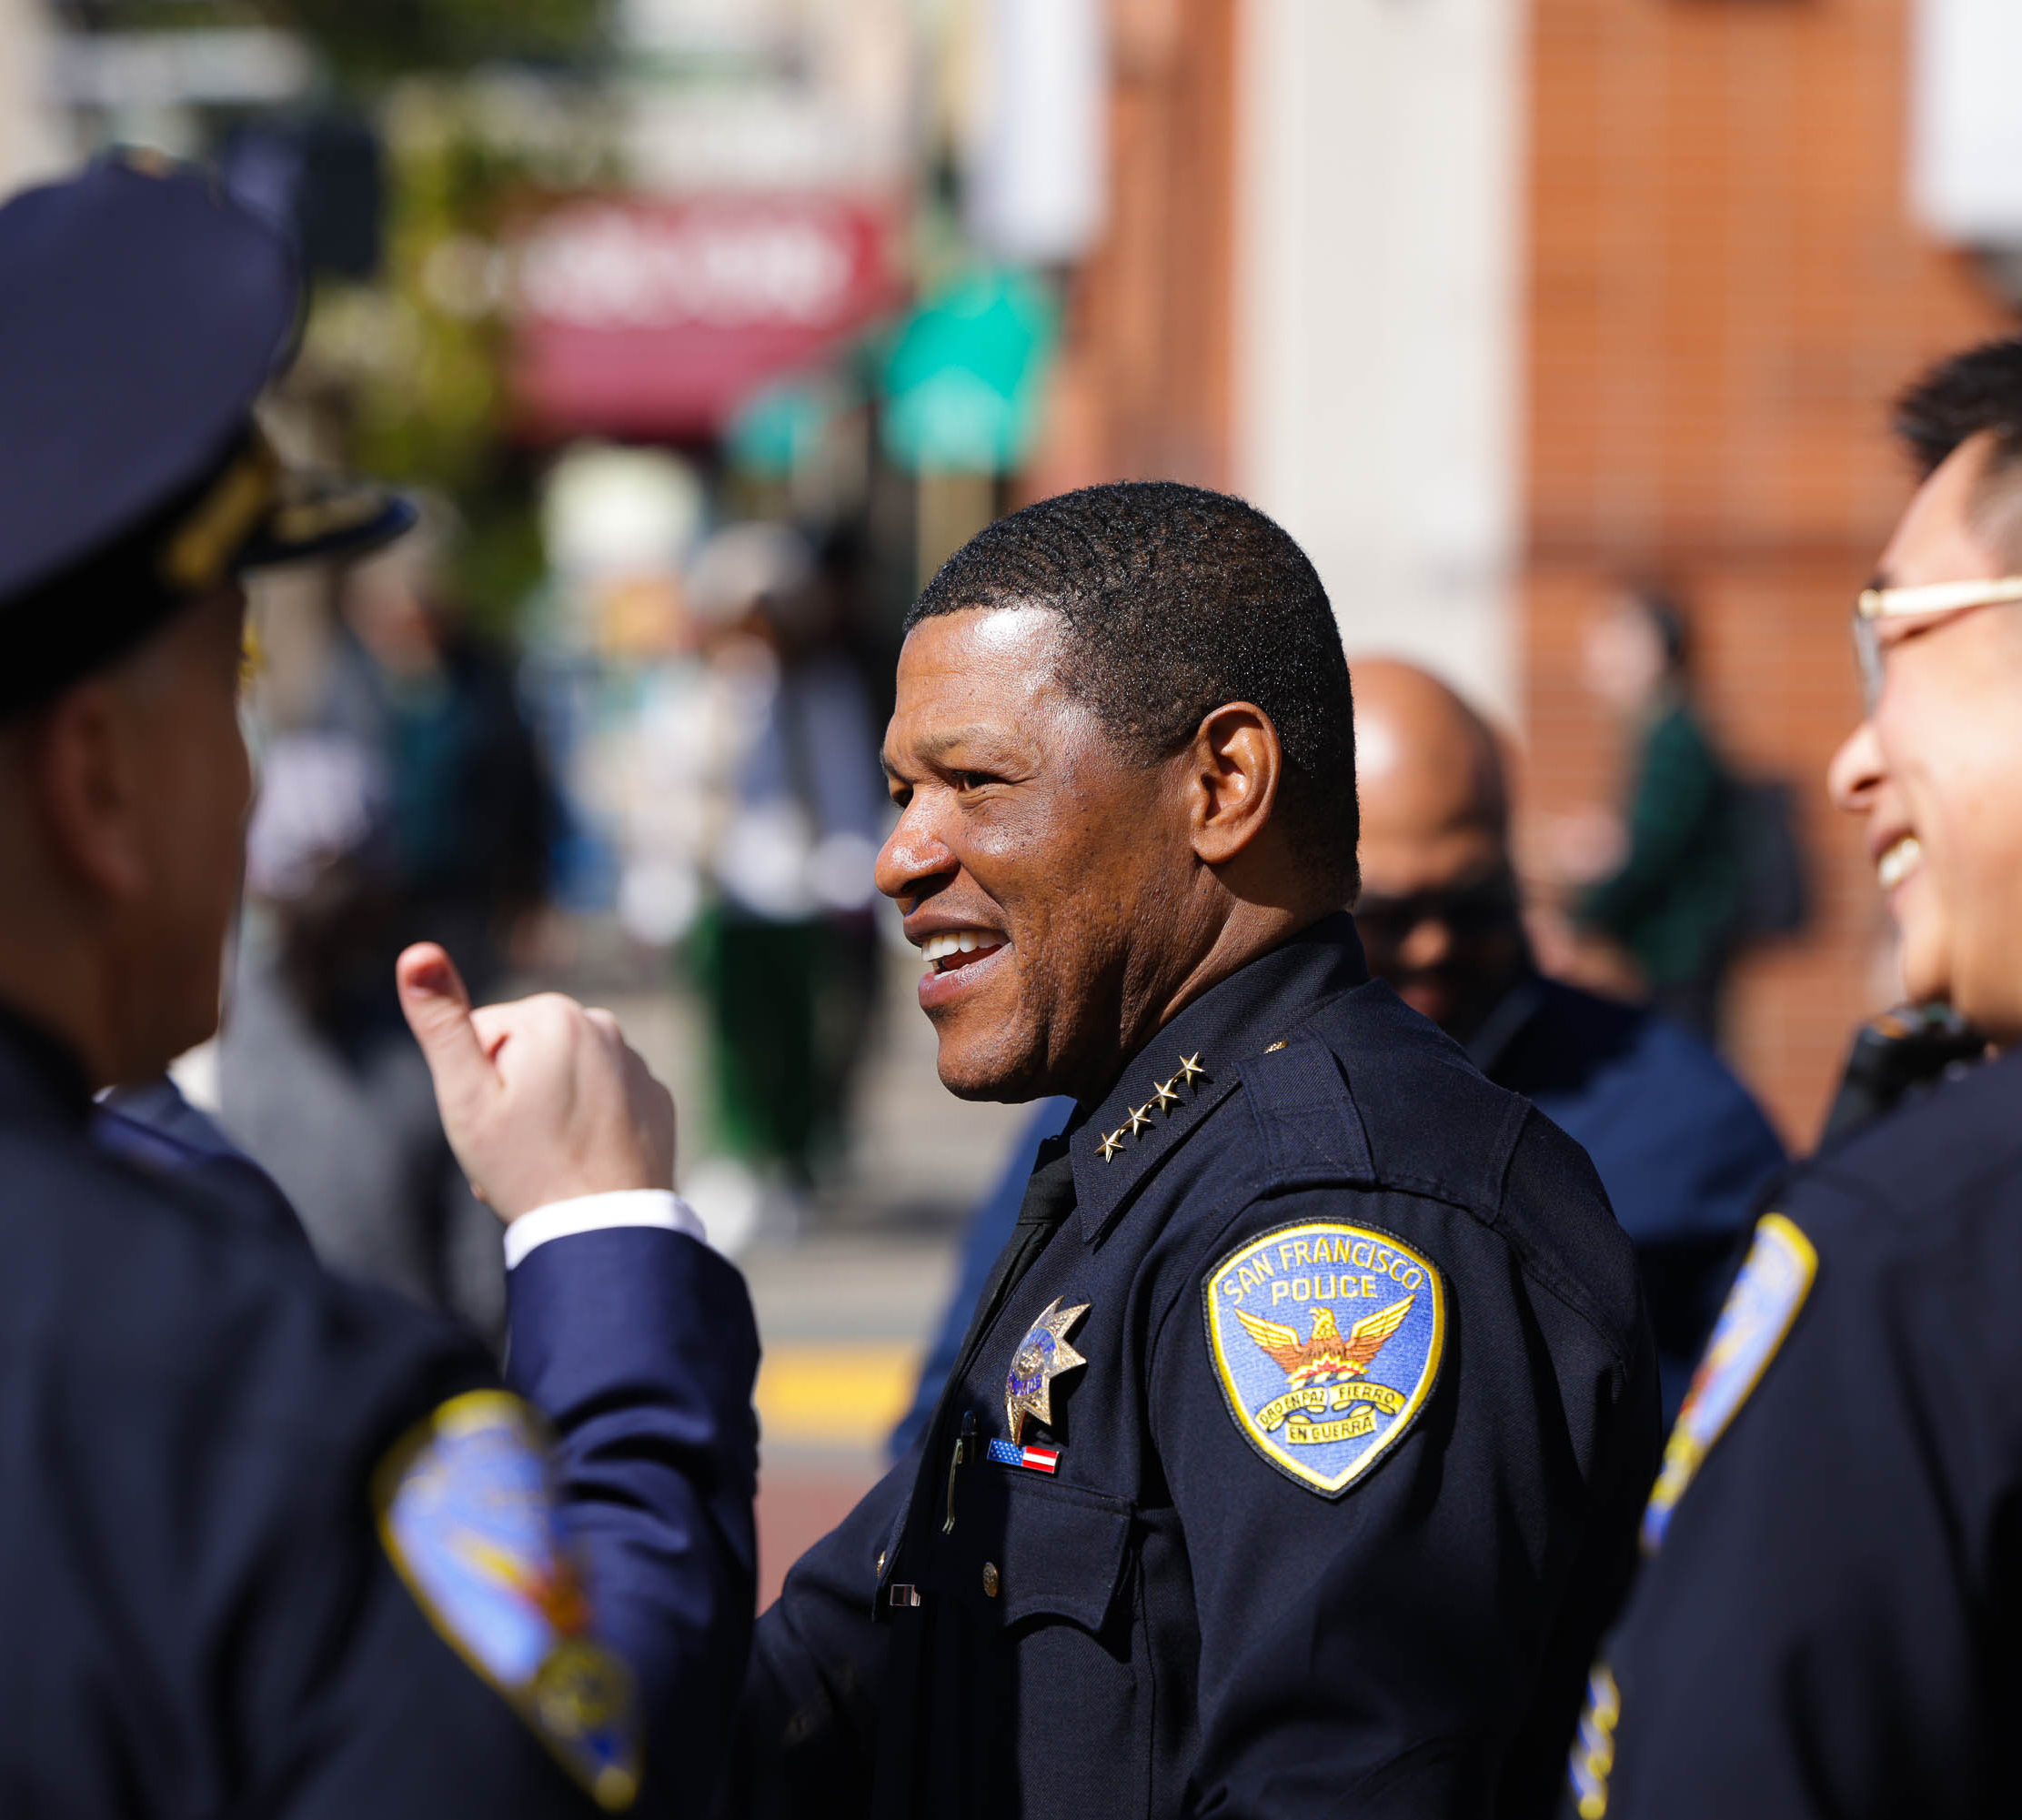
1828,1616
1677,1141
1289,1466
1679,1144
271,1542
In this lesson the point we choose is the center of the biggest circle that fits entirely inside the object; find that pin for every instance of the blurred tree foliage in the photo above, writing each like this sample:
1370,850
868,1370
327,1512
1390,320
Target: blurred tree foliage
420,355
483,107
369,42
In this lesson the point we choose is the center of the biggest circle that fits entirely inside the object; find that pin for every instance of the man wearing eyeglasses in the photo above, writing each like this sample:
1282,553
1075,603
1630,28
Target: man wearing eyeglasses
1829,1618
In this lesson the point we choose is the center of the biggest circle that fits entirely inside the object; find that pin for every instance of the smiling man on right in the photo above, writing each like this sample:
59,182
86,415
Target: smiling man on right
1828,1619
1291,1462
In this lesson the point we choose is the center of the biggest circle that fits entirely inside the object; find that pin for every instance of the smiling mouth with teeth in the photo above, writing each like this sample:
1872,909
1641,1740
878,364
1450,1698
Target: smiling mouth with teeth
958,948
1898,862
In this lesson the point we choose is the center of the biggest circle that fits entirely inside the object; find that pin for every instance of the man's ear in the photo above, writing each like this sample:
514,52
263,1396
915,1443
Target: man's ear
1235,766
80,757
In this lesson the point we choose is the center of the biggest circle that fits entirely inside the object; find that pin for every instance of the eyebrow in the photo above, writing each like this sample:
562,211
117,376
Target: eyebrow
935,747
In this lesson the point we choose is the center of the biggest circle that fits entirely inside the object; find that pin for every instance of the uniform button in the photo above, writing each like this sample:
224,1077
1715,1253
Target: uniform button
992,1580
880,1569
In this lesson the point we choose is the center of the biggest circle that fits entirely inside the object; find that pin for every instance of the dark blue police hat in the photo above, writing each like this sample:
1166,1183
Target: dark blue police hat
141,314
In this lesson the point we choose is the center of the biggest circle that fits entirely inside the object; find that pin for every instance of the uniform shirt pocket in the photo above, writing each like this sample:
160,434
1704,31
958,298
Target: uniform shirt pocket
1062,1553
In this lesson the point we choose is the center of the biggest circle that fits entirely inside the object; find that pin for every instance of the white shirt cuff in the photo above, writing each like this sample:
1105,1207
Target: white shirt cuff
659,1207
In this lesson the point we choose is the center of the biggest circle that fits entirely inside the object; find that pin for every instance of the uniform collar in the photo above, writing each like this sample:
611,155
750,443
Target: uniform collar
41,1069
1190,1066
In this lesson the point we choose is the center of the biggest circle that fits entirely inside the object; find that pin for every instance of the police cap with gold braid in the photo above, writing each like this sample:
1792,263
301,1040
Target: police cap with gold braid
142,313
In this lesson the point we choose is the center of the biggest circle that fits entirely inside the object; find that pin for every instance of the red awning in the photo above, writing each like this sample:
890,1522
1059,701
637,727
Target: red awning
645,317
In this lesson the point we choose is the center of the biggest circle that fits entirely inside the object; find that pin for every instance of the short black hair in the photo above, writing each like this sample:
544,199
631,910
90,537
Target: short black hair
1980,390
1177,600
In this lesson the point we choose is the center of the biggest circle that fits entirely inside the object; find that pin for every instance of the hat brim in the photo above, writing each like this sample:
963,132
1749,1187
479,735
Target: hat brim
321,516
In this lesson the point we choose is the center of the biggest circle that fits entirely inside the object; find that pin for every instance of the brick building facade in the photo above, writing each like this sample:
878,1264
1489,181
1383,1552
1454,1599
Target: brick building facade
1718,290
1724,291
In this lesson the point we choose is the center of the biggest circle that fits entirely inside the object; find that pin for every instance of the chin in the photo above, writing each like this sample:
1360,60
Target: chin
968,1079
990,1064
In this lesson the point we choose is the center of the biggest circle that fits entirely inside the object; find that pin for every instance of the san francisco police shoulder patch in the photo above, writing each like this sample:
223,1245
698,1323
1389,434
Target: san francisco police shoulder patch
1775,1279
1326,1340
466,1514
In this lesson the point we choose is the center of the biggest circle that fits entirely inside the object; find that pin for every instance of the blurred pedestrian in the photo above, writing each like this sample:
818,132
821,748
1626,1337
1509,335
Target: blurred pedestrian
786,950
318,1076
412,803
275,1543
469,811
1666,882
1291,1458
1826,1619
1680,1146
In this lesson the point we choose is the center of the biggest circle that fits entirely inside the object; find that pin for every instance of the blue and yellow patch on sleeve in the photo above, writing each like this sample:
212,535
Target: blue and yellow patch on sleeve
466,1514
1326,1340
1757,1314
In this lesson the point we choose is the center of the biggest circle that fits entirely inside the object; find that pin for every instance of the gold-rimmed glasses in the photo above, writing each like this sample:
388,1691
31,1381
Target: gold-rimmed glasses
1933,600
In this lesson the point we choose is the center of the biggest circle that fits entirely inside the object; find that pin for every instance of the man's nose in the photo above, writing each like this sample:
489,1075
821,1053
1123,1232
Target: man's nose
913,858
1856,769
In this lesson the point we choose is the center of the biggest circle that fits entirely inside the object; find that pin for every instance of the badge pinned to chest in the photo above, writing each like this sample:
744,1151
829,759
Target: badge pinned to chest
1042,1355
1326,1340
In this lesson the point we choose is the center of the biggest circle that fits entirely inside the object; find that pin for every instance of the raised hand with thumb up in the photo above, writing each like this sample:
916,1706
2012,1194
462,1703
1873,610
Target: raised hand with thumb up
542,1100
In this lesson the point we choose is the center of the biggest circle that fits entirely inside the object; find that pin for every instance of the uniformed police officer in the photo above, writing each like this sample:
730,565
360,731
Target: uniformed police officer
1292,1457
269,1543
1829,1620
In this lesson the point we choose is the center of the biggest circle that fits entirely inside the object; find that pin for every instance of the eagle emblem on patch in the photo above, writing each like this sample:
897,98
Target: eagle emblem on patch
467,1515
1326,1341
1775,1279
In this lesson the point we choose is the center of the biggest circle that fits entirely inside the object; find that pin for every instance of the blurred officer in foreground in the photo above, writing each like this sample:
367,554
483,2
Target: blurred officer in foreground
1293,1454
269,1543
1829,1617
1678,1143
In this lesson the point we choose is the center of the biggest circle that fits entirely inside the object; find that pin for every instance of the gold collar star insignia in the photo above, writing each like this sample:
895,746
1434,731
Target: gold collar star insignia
1140,1119
1111,1144
1042,1356
1191,1069
1163,1097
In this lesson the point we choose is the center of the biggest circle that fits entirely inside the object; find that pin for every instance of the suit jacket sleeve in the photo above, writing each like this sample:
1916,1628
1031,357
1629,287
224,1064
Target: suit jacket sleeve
639,1347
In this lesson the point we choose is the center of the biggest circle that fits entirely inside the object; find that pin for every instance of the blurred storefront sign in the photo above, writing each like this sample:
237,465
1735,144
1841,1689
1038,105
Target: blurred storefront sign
663,318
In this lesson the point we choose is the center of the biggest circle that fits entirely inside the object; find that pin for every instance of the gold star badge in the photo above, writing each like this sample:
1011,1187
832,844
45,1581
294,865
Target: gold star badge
1139,1119
1190,1068
1163,1097
1111,1144
1042,1356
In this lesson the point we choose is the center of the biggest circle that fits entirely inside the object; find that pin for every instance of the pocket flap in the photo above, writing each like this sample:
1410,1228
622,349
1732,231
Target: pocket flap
1063,1552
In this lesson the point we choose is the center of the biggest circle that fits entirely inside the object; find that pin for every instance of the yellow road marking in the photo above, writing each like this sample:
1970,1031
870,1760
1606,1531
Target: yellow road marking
841,1393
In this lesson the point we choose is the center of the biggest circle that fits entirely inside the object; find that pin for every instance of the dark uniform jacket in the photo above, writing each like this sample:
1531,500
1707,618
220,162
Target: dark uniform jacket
1231,1570
201,1616
1680,1148
1830,1621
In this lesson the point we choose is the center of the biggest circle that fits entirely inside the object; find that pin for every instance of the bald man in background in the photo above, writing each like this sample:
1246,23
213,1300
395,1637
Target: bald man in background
1679,1144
